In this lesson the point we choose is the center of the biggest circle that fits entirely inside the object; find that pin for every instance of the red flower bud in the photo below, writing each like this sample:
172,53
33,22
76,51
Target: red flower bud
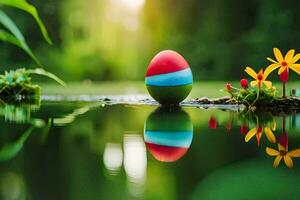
284,76
212,122
244,83
228,87
244,129
228,126
283,140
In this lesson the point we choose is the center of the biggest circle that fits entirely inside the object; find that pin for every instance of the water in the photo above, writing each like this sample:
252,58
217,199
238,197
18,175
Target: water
90,150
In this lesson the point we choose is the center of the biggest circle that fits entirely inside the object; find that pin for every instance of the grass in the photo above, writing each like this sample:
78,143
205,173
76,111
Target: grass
200,89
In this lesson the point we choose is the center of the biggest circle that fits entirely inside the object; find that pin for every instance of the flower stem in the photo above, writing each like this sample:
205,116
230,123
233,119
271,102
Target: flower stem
257,96
283,90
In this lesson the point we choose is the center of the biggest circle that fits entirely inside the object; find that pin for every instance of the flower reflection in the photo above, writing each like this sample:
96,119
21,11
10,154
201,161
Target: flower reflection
244,129
283,152
264,124
113,157
228,126
258,131
168,134
212,123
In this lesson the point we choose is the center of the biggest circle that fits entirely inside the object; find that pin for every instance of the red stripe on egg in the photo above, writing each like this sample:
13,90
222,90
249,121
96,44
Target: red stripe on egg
166,62
166,153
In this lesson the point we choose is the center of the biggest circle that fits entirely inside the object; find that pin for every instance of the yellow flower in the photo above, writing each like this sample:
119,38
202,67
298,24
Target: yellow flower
258,132
283,153
260,77
288,62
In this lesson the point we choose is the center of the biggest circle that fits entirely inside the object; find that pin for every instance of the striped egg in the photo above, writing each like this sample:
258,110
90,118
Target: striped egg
169,78
168,135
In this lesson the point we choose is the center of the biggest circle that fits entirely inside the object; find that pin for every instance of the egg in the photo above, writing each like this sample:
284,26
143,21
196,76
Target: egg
169,78
168,134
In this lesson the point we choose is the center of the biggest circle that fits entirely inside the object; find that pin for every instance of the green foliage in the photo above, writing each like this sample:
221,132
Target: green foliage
96,43
255,97
25,6
16,85
14,36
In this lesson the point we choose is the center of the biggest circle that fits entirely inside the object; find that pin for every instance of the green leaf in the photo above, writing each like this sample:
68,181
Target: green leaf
25,6
42,72
8,37
12,149
11,26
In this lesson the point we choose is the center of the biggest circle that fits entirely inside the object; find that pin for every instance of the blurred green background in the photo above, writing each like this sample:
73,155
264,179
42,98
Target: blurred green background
108,40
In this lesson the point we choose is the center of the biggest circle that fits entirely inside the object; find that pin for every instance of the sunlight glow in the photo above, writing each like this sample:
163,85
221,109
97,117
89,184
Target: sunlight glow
133,4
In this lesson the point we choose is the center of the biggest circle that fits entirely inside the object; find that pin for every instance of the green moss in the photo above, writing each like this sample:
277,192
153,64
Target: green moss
16,85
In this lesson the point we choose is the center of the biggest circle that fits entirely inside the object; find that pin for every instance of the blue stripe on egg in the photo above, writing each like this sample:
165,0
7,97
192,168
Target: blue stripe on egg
171,138
182,77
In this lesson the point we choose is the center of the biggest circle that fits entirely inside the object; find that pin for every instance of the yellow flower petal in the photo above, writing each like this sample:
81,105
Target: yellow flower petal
295,68
253,83
274,125
271,60
289,56
270,68
272,152
278,55
282,148
270,135
294,153
250,134
296,58
288,161
251,72
258,136
281,70
277,161
268,84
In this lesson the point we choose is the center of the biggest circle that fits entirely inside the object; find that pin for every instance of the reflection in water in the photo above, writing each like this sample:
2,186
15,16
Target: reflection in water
168,134
258,131
296,121
21,114
264,123
212,123
113,157
283,152
266,127
11,186
10,150
135,162
244,129
69,118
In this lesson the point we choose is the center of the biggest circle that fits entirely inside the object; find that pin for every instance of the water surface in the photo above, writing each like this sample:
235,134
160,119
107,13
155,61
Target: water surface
90,150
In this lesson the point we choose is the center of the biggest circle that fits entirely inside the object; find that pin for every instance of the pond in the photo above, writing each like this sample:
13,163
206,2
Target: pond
94,150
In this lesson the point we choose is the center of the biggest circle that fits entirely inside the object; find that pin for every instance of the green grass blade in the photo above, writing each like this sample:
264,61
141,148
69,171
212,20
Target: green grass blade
25,6
42,72
11,26
8,37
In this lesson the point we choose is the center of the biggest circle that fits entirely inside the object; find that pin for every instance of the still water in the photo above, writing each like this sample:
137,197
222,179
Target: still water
89,150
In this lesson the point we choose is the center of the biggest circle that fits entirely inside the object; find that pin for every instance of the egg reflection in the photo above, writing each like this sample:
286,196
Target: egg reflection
168,134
